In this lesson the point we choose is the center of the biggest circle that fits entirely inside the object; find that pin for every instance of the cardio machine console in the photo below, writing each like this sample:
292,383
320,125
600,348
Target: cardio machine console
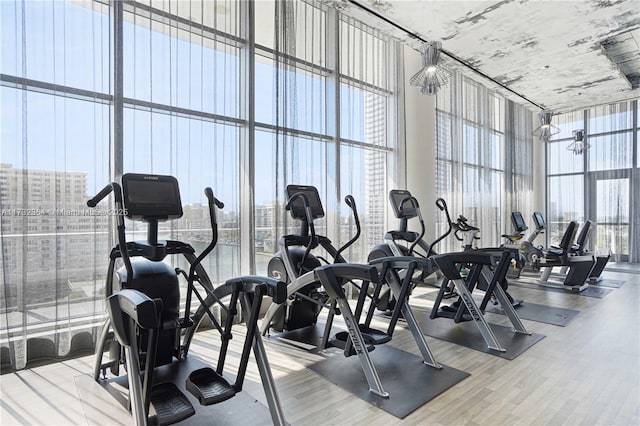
518,222
151,197
539,221
297,207
403,204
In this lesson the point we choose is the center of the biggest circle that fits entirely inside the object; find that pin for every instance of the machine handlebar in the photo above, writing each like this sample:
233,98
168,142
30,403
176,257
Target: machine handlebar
423,229
119,204
208,192
442,205
351,202
213,203
102,194
307,210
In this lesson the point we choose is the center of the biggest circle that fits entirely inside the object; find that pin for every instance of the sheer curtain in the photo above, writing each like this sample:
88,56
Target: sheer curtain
180,90
368,105
484,159
325,98
181,83
518,164
54,154
292,145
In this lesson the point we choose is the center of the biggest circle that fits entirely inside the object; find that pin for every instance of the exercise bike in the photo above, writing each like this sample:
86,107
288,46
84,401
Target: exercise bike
529,254
148,333
577,266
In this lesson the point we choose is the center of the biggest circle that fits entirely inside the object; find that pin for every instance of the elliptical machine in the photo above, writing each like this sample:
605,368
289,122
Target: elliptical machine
402,242
296,259
313,286
145,331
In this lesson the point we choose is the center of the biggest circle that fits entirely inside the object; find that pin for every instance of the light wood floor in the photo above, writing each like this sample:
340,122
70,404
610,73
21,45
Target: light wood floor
585,374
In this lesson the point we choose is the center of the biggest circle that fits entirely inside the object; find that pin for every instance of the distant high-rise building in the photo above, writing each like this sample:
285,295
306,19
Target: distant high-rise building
50,238
374,161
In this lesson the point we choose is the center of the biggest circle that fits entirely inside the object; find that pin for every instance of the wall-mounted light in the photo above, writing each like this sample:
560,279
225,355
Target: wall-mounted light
579,144
546,129
432,75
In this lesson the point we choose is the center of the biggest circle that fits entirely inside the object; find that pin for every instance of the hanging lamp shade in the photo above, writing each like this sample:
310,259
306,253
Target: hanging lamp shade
579,144
546,129
432,75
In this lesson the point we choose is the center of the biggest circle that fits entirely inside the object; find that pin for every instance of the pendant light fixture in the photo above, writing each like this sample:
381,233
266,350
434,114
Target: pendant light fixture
579,144
432,76
546,129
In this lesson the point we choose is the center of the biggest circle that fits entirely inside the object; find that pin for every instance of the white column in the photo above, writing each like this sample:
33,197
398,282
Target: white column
420,122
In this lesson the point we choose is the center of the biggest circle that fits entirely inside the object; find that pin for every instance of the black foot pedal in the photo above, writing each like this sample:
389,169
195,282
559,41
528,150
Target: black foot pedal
340,341
209,387
373,336
451,308
169,404
442,313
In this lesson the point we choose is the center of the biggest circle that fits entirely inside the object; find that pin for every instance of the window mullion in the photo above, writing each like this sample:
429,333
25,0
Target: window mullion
247,142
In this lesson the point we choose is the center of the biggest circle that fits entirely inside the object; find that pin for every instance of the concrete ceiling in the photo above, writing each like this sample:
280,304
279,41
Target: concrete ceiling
561,55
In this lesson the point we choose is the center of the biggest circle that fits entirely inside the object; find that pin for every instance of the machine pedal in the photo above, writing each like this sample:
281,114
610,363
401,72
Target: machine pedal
443,313
373,336
340,340
209,387
169,405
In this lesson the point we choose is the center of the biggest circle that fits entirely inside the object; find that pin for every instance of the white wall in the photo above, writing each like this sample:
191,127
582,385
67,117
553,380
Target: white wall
539,173
420,128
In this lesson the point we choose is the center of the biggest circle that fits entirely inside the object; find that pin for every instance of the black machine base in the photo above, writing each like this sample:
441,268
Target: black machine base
209,387
169,405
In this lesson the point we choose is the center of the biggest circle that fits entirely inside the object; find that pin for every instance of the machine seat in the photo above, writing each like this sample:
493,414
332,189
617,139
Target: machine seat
554,252
513,237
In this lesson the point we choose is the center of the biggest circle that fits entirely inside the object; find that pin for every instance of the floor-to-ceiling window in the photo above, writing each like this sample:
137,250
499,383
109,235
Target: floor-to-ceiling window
240,96
55,100
181,114
324,95
599,184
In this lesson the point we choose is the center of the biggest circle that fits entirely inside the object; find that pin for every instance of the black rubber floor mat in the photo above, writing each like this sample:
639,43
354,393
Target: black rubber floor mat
541,313
608,283
409,382
467,334
591,291
635,271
